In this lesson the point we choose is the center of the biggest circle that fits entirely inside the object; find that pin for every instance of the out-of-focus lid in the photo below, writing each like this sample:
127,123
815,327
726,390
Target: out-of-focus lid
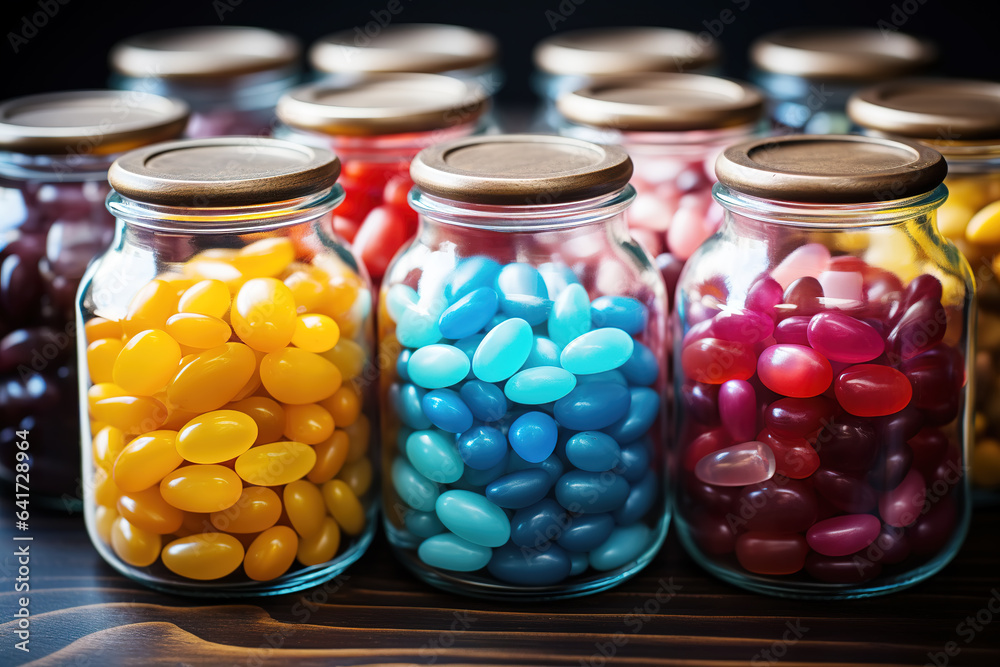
624,50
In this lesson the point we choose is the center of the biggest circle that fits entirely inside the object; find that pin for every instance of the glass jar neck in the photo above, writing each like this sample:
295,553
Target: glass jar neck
76,165
688,144
259,90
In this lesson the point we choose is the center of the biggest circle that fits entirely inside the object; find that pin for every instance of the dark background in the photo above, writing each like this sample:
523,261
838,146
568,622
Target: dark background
69,51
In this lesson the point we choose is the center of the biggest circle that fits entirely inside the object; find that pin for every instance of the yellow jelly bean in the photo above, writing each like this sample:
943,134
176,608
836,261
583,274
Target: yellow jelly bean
194,523
102,390
330,457
309,423
216,436
197,330
322,546
344,506
204,556
101,355
348,357
265,258
263,314
147,362
267,413
344,405
108,443
305,507
343,292
271,554
131,414
952,219
106,492
315,333
147,510
984,227
986,463
150,307
146,460
135,546
207,297
176,418
104,518
276,463
308,289
295,376
358,476
98,327
202,488
206,268
212,378
359,433
257,509
253,384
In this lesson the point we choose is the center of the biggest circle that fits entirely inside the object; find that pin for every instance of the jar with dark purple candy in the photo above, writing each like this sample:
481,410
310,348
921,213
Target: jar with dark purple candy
55,150
230,76
822,350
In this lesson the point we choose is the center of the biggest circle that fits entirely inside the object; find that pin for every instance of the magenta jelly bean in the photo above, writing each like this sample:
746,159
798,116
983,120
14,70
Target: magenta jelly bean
714,361
738,409
742,326
843,535
793,330
799,416
775,505
764,295
794,370
901,506
840,337
804,297
846,492
872,390
738,465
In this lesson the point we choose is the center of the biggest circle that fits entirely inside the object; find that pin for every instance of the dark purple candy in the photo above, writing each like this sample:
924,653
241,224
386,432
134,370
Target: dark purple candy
892,462
701,402
890,547
717,499
799,417
847,444
711,532
670,268
932,530
928,447
20,288
852,569
36,348
779,504
844,491
920,328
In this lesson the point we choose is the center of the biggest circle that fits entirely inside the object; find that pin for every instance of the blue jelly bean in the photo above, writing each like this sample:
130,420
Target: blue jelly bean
469,345
519,489
401,437
586,532
485,400
446,410
641,498
642,367
482,447
451,552
593,451
597,351
557,277
399,299
633,462
417,328
434,455
528,567
579,562
469,314
470,275
409,406
544,352
543,384
607,376
437,366
423,524
401,361
552,465
591,492
592,406
523,293
620,312
503,351
538,524
473,517
477,479
624,545
413,488
570,315
533,436
643,409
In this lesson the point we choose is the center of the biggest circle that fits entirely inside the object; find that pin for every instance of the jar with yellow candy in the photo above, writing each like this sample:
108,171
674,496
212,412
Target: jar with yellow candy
225,363
961,119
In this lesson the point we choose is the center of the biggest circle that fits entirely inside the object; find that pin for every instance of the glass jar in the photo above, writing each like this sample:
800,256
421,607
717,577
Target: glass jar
571,60
227,381
960,119
808,73
55,150
522,396
376,125
673,127
230,76
822,344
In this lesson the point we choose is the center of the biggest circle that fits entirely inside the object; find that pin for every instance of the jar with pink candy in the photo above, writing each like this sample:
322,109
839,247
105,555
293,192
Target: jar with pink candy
822,347
673,126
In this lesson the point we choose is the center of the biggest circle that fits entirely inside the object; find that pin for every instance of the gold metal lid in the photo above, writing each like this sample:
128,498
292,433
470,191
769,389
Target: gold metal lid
223,171
855,54
204,52
98,122
405,47
383,104
624,50
520,169
930,109
664,102
830,169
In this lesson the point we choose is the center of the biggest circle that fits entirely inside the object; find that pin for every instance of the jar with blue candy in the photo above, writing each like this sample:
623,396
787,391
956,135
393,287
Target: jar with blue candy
522,344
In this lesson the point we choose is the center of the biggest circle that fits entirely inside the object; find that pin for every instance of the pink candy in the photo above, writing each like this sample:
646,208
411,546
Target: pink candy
738,465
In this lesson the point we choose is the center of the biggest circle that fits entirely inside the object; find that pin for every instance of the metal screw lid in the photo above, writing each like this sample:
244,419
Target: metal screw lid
624,50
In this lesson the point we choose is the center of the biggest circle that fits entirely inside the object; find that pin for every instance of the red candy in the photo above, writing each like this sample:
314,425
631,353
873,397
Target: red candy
714,361
772,553
872,390
794,370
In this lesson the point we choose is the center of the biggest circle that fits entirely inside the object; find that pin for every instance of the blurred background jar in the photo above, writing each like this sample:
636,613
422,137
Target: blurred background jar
808,73
673,127
523,415
230,76
225,344
822,342
376,125
960,119
55,150
568,61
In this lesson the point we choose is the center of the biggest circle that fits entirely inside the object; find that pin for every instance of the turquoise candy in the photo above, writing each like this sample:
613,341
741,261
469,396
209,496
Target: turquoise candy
591,407
451,552
591,492
473,517
642,367
593,451
519,489
579,562
409,404
586,532
523,293
423,524
634,460
503,351
401,361
570,315
469,314
557,277
528,567
597,351
437,366
400,299
620,312
552,465
401,436
538,524
543,384
413,488
446,410
624,545
643,409
641,498
470,275
485,400
614,377
434,455
544,352
533,436
469,345
477,479
416,328
482,447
